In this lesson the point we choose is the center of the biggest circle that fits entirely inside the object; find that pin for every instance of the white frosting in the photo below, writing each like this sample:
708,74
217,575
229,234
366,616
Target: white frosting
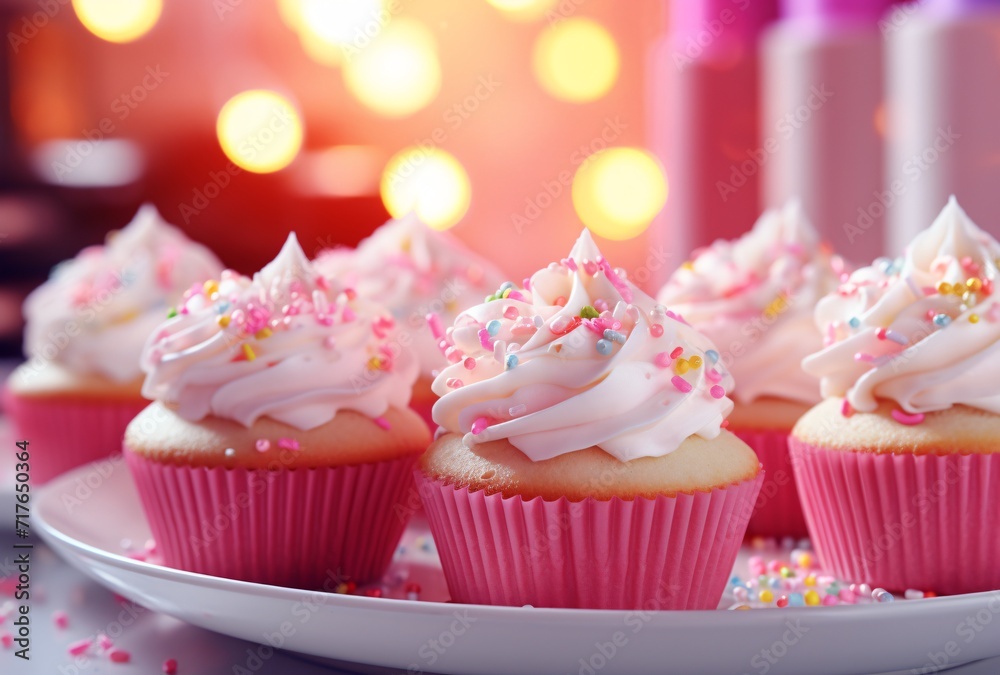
414,270
291,345
95,312
754,297
954,360
564,394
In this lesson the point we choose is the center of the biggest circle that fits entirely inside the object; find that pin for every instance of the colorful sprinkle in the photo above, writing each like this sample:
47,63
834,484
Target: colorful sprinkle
656,330
681,384
435,324
248,352
223,321
713,375
79,647
854,322
906,418
942,320
288,444
479,425
454,383
882,595
262,445
695,362
604,347
973,318
588,312
713,356
172,312
170,667
511,313
677,352
119,656
510,362
382,423
662,360
61,619
493,327
614,336
681,366
717,391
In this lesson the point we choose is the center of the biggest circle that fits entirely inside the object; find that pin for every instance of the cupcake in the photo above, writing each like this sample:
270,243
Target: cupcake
581,459
417,273
898,468
280,447
754,298
85,330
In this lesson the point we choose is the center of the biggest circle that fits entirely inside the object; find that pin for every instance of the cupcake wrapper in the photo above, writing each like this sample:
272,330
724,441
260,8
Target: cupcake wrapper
63,434
928,522
663,553
304,528
778,512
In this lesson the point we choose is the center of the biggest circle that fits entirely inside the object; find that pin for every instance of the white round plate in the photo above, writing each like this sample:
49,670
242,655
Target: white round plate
85,517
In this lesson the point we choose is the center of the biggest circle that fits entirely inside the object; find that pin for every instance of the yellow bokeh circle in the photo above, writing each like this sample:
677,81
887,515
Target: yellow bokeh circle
617,192
260,130
523,10
118,20
576,60
397,73
429,182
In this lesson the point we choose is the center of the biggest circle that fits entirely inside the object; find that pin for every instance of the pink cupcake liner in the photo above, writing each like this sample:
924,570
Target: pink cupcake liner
304,528
901,521
778,512
662,553
64,433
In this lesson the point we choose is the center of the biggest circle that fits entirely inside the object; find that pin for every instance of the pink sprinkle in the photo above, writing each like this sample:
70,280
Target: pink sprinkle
454,382
717,391
469,363
845,408
906,418
662,360
60,618
324,319
590,267
170,666
7,640
288,444
348,315
681,384
510,313
479,425
263,445
516,295
656,330
861,356
846,595
526,284
434,322
382,423
569,263
880,333
713,375
79,647
484,338
677,352
453,355
830,600
119,656
104,642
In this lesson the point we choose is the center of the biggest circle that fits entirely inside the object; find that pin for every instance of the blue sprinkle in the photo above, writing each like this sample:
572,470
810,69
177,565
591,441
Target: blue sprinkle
774,582
222,307
603,347
796,600
493,327
511,361
614,336
942,320
504,286
712,355
736,581
855,322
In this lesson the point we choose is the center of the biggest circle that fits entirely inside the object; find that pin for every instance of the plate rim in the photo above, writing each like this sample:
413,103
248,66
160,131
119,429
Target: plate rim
716,618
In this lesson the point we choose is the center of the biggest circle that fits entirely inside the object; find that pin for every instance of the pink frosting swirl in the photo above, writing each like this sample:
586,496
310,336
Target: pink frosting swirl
755,297
95,312
579,357
923,331
414,271
290,344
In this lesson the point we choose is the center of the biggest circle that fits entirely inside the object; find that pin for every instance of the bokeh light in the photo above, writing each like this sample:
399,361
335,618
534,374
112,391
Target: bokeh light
617,192
398,73
576,60
321,51
430,182
118,20
523,10
260,130
342,22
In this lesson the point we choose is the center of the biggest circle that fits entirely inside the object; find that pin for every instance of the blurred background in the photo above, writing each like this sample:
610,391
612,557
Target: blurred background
512,123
